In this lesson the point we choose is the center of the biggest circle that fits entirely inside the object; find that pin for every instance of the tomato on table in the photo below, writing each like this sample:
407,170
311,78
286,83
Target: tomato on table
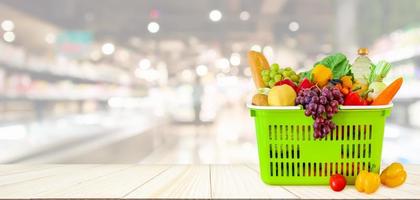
337,182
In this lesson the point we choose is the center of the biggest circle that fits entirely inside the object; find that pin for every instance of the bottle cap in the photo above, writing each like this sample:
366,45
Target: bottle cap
363,51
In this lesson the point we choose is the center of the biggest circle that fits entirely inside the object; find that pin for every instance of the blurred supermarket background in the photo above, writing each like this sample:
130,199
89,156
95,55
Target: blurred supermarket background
106,81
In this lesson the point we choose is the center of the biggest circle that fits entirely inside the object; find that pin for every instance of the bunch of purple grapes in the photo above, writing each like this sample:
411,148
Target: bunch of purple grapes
321,104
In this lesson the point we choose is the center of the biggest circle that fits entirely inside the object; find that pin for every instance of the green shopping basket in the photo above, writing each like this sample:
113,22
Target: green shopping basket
290,155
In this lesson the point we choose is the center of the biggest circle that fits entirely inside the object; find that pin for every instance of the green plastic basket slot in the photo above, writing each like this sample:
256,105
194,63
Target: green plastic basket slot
289,154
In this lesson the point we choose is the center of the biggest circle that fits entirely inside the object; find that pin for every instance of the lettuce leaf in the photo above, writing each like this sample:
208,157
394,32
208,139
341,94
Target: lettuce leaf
338,63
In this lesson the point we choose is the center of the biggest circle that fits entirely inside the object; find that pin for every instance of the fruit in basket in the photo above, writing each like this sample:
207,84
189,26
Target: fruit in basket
321,104
260,100
337,182
258,63
367,182
321,75
386,96
394,175
275,74
283,95
288,82
337,63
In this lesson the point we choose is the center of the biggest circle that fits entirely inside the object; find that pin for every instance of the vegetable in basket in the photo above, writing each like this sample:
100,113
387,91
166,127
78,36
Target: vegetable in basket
386,96
354,99
377,74
306,83
321,75
337,63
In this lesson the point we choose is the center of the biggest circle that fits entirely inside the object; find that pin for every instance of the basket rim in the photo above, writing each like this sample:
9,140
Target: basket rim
341,107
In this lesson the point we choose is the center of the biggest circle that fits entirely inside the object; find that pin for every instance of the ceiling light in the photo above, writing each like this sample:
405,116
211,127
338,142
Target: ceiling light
7,25
201,70
108,48
9,36
144,64
293,26
215,15
244,16
235,59
256,48
153,27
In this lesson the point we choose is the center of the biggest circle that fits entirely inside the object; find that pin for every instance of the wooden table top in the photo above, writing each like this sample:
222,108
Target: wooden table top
169,181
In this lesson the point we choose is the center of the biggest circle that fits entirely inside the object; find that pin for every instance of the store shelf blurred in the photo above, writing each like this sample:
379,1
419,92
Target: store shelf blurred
161,82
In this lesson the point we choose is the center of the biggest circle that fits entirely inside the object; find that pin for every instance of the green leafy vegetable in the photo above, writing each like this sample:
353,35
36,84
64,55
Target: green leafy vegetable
338,63
307,74
378,72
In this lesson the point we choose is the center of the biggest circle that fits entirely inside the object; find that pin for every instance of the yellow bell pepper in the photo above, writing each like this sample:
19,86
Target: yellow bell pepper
321,75
367,182
394,175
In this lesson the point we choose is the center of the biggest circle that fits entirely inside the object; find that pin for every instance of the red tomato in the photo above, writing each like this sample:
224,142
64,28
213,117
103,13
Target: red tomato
337,182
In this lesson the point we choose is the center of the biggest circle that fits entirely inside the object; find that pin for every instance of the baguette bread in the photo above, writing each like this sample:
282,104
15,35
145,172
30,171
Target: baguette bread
257,62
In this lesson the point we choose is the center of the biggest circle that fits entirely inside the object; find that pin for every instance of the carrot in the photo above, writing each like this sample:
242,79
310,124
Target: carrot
385,97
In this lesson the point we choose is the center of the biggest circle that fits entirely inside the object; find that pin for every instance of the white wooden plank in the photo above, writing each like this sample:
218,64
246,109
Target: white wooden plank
405,191
177,182
242,182
116,185
14,169
65,179
413,179
255,167
118,181
36,174
412,169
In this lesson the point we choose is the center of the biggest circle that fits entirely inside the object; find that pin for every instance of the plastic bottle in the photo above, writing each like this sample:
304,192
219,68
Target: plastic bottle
361,66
